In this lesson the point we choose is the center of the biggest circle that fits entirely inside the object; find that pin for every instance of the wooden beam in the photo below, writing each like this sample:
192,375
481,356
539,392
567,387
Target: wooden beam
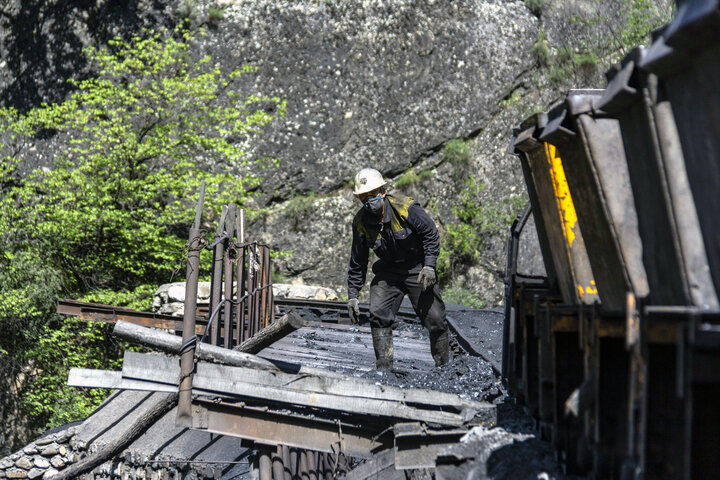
167,342
287,324
344,394
88,378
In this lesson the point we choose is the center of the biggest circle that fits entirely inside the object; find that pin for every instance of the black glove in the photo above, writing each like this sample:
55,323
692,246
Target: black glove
354,310
427,278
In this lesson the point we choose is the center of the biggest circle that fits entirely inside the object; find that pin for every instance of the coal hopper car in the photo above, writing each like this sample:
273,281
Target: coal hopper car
613,343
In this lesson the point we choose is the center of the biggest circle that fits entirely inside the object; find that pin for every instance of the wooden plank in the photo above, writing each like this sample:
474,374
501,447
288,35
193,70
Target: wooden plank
284,394
302,354
401,353
331,336
164,369
172,344
357,329
348,386
325,366
89,378
287,324
354,405
151,367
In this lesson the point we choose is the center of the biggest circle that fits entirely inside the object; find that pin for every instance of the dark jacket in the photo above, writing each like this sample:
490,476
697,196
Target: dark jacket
406,238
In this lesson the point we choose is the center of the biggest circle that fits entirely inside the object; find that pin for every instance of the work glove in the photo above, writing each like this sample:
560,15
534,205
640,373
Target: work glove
354,310
427,278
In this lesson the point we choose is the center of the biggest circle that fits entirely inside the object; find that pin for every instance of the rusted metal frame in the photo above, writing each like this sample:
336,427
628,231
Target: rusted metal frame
589,415
268,302
530,364
96,312
187,350
546,380
271,427
217,272
251,287
417,447
242,306
229,257
264,298
567,376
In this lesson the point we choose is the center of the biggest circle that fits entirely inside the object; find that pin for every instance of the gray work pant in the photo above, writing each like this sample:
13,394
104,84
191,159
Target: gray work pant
386,294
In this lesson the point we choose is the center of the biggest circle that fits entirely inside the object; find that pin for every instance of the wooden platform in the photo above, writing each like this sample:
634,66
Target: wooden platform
347,348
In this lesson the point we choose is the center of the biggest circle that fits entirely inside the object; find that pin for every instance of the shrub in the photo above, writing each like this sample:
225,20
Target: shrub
111,216
457,152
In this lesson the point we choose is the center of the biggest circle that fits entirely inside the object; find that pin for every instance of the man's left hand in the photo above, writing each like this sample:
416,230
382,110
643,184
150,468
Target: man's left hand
427,277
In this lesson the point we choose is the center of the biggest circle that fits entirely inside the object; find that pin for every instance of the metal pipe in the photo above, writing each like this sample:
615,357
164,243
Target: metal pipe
304,470
265,464
216,279
277,464
254,468
294,463
228,280
287,466
312,464
243,307
187,352
240,278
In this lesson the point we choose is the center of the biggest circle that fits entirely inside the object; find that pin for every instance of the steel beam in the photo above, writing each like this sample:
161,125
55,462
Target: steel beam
275,428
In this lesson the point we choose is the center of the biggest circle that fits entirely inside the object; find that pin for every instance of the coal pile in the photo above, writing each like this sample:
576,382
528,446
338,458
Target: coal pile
465,375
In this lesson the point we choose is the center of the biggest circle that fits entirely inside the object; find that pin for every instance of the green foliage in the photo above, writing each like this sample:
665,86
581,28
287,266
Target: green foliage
457,152
599,34
408,178
109,220
215,14
412,176
641,17
541,48
477,220
299,205
61,345
536,6
462,296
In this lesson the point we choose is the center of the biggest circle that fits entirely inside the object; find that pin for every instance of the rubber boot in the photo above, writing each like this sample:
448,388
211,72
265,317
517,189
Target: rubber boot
383,345
440,347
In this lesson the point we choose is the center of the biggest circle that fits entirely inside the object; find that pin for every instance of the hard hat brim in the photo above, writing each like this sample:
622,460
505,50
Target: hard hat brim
366,189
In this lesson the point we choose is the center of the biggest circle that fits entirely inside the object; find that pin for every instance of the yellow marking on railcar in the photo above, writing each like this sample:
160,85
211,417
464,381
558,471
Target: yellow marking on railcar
588,290
562,193
566,208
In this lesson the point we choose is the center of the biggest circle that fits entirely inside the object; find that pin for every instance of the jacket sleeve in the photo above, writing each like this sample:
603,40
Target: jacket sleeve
357,270
421,223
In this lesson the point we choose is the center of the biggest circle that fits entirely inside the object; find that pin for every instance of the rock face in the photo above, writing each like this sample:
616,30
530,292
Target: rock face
372,84
367,83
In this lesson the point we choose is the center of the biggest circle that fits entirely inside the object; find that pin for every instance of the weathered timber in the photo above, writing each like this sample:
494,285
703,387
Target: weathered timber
354,405
89,378
332,393
347,386
141,425
287,324
172,344
359,329
333,350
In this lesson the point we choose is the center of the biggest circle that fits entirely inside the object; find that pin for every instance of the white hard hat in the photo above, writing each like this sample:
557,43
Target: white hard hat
367,180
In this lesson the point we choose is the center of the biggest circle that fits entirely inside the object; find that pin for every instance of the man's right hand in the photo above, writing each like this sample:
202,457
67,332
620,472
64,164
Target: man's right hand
354,310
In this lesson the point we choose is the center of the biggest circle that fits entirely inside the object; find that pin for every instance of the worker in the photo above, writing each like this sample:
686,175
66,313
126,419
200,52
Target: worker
406,242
